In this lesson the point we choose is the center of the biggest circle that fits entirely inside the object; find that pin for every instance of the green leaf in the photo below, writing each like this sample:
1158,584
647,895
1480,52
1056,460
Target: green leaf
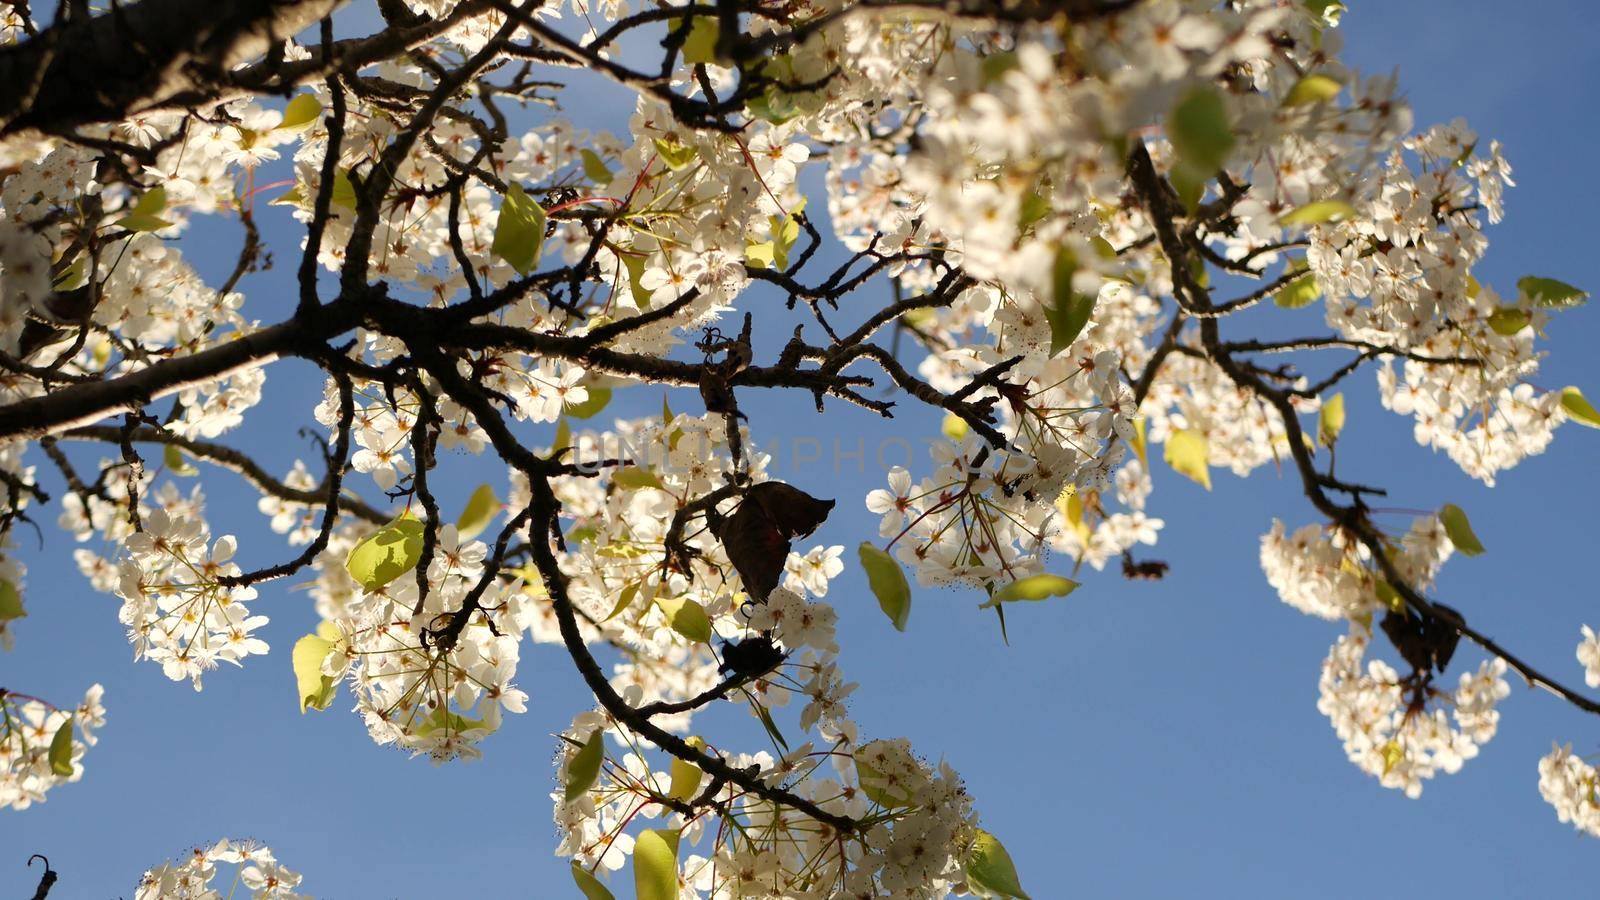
74,276
1317,213
1393,753
301,112
1578,408
888,583
655,864
595,168
1302,291
444,720
1331,421
146,213
676,154
519,233
687,617
1388,596
770,726
1188,452
634,263
344,190
1549,292
700,45
954,427
686,776
592,405
1328,11
1034,587
316,689
480,510
763,255
1459,530
635,478
1199,132
589,885
291,197
10,601
991,869
563,438
61,750
387,553
584,769
173,459
1068,312
624,600
1508,320
1312,89
773,104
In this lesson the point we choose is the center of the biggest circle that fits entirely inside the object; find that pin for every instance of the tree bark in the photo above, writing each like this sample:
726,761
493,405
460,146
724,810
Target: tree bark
137,57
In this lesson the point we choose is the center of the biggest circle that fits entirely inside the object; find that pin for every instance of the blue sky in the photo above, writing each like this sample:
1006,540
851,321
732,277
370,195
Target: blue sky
1134,740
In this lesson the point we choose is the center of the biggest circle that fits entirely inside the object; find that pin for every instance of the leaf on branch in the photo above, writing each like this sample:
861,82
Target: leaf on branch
519,232
480,510
301,113
954,427
61,750
700,44
588,885
1459,530
686,776
1550,293
597,400
687,617
146,213
888,582
1188,452
175,462
1201,138
316,689
1318,213
1068,311
584,769
991,870
595,168
387,553
1508,320
1313,88
1034,587
10,602
1301,292
1578,408
655,865
1331,420
676,154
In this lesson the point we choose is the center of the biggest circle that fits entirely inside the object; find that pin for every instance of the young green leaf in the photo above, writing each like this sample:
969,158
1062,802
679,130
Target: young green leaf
1312,89
686,776
1459,530
480,510
954,427
1318,212
590,886
584,769
595,168
519,232
316,689
655,865
888,583
635,478
1068,311
301,113
1034,587
635,264
1508,320
61,750
1549,292
1199,132
592,405
1331,421
10,601
674,153
687,617
1188,452
770,726
991,869
624,599
146,213
1302,291
878,788
700,45
387,553
1578,408
175,462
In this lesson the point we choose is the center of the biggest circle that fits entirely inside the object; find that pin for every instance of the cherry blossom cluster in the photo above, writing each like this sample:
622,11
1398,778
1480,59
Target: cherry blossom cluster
43,745
204,870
